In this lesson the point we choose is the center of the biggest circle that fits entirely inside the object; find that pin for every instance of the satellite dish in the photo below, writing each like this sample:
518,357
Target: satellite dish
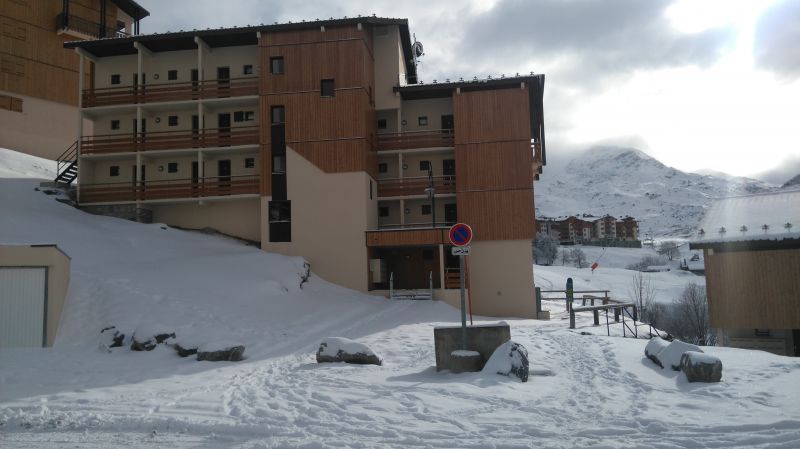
418,49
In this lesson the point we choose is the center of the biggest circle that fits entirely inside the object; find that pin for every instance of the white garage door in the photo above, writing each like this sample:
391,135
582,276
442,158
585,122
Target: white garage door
22,306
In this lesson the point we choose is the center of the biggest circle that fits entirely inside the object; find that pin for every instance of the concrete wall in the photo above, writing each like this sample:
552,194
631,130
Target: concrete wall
501,278
98,170
414,214
330,213
240,218
388,66
433,109
125,66
58,274
233,57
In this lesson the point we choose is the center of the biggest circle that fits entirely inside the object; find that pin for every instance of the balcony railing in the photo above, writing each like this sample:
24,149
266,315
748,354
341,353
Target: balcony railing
170,140
452,278
121,192
416,186
416,139
82,27
420,225
154,93
407,237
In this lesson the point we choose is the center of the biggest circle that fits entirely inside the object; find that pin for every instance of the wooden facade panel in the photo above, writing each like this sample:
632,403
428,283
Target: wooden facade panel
498,215
754,289
501,165
408,237
311,117
492,115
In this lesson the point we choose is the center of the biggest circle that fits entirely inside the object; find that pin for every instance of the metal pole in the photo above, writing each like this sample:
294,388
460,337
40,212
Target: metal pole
463,305
538,300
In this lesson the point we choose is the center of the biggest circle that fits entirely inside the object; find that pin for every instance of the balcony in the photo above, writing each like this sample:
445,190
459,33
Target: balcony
85,29
416,139
416,186
124,192
155,93
169,140
408,237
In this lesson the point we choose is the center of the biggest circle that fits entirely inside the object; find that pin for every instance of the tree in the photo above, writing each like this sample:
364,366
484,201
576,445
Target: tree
545,249
669,248
690,318
643,295
566,256
579,258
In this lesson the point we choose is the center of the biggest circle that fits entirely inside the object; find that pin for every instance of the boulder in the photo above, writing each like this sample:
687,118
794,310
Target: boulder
220,352
337,349
184,352
653,348
671,355
111,337
700,367
509,359
147,341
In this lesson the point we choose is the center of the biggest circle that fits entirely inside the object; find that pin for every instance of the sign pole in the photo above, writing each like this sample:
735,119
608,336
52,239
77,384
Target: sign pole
460,237
463,305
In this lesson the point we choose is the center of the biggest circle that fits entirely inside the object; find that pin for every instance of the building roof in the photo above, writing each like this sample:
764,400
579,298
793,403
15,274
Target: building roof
744,218
228,37
131,8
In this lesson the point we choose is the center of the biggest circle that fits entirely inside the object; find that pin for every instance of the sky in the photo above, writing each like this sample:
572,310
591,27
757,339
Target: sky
698,84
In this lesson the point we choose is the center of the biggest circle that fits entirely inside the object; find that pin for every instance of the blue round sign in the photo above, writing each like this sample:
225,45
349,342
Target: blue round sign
460,234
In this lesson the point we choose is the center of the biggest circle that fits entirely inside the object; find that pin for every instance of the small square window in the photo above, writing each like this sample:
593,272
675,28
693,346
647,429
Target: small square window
381,123
278,114
172,120
172,167
247,69
238,116
422,121
115,79
113,170
279,164
114,124
276,65
172,75
424,165
426,209
249,116
383,167
249,162
383,211
327,88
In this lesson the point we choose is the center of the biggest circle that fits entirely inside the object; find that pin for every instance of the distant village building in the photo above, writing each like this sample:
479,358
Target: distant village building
751,247
591,230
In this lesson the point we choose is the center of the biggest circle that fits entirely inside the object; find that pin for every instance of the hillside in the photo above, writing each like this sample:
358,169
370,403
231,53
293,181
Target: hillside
626,181
795,181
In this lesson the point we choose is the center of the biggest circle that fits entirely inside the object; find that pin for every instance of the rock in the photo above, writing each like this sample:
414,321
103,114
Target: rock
147,341
110,337
185,352
220,352
509,359
700,367
336,349
653,348
671,355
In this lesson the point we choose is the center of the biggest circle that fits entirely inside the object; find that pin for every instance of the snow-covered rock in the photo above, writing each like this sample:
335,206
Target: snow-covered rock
146,338
111,337
653,348
509,359
220,351
670,356
700,367
338,349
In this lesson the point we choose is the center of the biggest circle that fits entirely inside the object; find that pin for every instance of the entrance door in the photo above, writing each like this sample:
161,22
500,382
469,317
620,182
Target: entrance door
195,84
449,172
224,129
448,123
223,81
796,340
22,307
450,214
195,131
224,176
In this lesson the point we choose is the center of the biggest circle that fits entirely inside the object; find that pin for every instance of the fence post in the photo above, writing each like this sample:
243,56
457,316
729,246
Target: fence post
538,300
635,315
616,314
571,318
596,317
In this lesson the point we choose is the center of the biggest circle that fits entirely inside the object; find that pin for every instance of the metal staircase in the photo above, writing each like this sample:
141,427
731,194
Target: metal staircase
67,165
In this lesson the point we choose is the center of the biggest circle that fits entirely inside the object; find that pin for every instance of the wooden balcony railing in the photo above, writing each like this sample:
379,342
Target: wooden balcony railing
69,23
416,139
452,278
169,189
153,93
408,237
415,186
170,140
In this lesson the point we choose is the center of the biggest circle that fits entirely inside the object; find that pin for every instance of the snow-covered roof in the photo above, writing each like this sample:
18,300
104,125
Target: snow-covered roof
764,216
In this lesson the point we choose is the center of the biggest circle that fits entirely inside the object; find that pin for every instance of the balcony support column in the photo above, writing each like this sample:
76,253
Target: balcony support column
81,73
441,266
201,47
400,165
402,212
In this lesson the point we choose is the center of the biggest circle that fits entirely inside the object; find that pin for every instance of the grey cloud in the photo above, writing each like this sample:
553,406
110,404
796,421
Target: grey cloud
776,38
784,171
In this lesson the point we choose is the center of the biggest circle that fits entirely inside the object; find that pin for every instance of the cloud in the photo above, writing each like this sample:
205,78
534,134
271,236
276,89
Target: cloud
784,171
776,40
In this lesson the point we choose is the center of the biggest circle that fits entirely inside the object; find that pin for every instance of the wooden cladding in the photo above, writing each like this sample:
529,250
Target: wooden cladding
170,140
408,237
168,189
492,116
492,166
152,93
753,289
9,103
498,215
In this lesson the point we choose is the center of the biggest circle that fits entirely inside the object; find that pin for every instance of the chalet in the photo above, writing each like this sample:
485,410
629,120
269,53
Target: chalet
751,247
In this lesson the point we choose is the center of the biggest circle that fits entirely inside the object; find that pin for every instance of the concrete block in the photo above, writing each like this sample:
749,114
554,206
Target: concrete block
482,338
543,315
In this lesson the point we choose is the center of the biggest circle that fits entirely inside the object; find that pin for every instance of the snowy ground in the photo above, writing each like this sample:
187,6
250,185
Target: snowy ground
585,390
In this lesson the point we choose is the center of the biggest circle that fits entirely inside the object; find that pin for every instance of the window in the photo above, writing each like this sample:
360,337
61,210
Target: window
381,123
249,116
280,221
276,65
370,189
172,167
426,209
279,164
422,121
113,170
327,88
383,211
424,165
278,114
114,124
172,75
383,167
238,116
173,120
115,79
249,162
247,69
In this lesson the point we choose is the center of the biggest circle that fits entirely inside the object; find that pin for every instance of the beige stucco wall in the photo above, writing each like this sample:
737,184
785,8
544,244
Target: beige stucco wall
125,66
412,160
240,217
433,109
58,265
330,213
501,278
233,57
388,66
43,128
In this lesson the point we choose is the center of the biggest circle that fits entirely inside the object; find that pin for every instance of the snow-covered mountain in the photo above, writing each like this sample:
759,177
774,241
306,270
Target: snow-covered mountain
626,181
795,181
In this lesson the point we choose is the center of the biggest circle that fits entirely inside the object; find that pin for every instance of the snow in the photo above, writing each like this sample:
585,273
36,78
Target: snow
332,345
500,361
465,353
670,356
586,390
701,357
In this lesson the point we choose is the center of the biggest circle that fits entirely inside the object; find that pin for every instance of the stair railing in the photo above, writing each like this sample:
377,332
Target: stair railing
66,158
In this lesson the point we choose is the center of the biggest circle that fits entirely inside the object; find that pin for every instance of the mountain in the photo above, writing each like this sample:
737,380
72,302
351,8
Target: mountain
794,182
626,181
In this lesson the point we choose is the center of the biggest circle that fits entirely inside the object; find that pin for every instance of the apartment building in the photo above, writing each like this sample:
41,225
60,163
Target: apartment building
590,230
316,139
38,99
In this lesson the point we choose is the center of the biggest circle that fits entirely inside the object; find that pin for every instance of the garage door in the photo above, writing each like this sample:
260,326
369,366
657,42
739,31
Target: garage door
22,307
